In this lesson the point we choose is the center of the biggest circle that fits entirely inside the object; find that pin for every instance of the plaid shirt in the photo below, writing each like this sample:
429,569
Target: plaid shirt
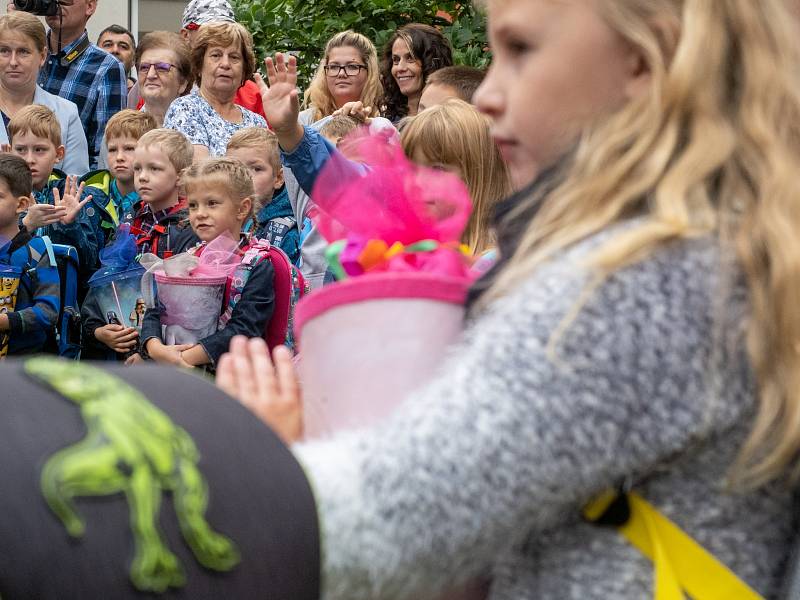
95,81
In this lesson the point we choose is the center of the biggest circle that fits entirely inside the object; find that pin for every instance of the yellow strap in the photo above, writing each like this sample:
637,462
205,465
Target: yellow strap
680,563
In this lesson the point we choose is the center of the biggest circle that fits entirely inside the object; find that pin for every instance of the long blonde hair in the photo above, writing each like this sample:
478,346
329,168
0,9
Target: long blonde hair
455,133
714,148
318,96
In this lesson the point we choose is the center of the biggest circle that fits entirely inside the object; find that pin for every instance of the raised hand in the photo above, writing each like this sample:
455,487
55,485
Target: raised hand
71,200
281,99
42,215
269,388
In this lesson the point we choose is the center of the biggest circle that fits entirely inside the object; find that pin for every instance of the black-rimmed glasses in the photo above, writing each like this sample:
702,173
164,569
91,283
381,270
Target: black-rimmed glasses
350,70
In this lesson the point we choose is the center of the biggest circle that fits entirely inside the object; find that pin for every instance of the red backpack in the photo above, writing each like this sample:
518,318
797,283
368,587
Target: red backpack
288,283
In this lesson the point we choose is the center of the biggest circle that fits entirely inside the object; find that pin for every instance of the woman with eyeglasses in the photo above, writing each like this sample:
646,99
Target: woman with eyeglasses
164,65
222,60
411,54
348,73
23,51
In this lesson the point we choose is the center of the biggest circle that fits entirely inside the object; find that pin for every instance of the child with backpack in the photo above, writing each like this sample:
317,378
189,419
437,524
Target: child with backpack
219,195
273,217
119,199
29,282
160,226
35,135
638,335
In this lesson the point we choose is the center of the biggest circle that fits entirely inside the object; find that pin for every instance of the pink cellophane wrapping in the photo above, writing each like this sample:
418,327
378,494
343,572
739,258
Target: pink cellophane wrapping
193,292
393,200
367,342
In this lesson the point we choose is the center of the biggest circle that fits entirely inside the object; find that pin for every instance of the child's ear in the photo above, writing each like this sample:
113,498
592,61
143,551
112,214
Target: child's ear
278,183
59,153
245,207
22,204
640,73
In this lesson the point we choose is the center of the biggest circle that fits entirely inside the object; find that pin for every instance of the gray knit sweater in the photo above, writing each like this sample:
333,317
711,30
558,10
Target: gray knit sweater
486,468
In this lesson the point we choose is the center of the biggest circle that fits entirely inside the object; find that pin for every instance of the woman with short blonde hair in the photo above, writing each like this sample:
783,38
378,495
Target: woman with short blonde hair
222,60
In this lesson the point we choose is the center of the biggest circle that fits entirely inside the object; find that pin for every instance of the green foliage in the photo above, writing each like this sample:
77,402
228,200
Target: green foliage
304,26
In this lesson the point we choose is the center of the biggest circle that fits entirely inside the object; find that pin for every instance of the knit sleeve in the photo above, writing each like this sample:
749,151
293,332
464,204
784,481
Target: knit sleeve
517,433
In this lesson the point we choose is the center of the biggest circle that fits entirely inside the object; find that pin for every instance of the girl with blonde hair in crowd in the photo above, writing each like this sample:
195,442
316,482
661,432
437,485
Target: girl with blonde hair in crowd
455,137
640,331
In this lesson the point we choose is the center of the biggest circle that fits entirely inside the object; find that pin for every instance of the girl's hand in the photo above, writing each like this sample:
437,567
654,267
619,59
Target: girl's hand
269,388
42,215
168,355
120,339
71,201
357,110
281,99
134,359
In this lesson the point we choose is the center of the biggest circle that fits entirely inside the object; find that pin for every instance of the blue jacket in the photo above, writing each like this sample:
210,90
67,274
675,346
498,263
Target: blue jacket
37,294
108,207
277,224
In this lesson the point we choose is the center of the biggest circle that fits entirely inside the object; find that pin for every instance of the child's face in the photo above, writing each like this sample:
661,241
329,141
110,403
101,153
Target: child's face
557,66
265,179
213,210
154,177
10,207
40,153
121,152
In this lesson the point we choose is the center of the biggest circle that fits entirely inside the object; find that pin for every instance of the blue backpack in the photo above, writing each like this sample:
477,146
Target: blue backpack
66,339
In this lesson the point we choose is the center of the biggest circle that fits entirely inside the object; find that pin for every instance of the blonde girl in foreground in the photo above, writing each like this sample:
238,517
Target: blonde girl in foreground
642,329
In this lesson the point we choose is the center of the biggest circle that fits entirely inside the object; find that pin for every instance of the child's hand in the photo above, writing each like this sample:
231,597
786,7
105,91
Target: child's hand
71,200
120,339
357,110
281,99
168,355
42,215
272,393
134,359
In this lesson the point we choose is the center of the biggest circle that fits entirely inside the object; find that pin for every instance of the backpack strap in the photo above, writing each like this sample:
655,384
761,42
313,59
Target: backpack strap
680,563
255,253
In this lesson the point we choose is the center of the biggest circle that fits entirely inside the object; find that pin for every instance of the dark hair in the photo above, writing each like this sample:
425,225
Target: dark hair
15,172
429,46
118,30
464,80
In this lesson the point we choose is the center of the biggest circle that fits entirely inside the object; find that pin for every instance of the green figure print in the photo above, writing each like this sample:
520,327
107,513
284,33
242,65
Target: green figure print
131,447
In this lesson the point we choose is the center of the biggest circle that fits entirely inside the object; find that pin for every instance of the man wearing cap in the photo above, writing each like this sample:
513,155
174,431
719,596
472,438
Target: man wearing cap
203,12
81,72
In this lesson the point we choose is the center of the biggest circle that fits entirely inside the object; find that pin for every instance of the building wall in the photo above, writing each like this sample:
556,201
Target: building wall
140,16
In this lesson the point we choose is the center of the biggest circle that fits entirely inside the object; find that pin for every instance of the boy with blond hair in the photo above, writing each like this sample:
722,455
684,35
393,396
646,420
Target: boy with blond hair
59,209
273,218
160,224
120,198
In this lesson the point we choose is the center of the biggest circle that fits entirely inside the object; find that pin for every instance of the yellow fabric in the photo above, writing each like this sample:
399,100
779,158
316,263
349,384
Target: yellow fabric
680,564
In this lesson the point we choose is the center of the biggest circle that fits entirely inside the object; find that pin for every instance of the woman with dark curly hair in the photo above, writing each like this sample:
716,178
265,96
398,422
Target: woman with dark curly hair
411,54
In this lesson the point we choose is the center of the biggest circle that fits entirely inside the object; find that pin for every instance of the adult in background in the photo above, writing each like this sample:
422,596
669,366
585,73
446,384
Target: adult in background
206,12
81,72
119,42
222,59
164,65
348,72
409,57
23,51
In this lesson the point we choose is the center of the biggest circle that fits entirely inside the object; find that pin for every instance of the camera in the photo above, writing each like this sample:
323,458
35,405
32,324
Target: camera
40,8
